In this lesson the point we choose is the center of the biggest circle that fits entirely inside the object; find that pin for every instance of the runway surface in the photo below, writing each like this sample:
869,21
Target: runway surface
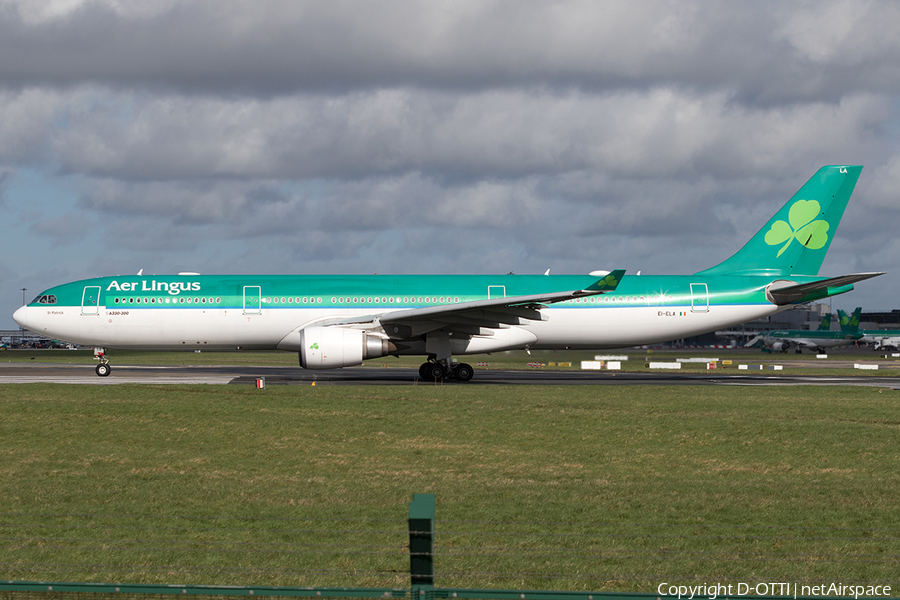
244,375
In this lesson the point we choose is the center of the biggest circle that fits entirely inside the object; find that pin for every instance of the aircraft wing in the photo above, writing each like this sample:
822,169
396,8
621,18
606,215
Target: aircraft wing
478,317
791,293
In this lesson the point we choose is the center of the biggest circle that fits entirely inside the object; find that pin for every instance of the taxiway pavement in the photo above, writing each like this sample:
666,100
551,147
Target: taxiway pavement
248,375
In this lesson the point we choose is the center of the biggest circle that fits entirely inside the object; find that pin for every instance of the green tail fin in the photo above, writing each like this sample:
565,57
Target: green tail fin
795,240
850,324
825,325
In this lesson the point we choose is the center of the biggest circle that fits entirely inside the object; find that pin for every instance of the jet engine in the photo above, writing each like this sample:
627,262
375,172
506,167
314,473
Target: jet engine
336,347
779,347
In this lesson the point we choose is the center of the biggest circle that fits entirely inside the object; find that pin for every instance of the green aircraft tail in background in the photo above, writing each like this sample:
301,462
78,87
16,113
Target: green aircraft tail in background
825,325
795,240
850,323
881,339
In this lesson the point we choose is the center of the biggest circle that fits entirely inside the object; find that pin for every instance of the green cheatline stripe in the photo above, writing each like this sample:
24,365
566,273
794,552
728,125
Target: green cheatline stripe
230,292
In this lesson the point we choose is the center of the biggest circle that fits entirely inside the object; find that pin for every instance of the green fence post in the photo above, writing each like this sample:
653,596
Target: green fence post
421,545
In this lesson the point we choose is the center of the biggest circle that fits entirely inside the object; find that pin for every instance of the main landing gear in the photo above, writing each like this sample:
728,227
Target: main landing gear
436,371
103,369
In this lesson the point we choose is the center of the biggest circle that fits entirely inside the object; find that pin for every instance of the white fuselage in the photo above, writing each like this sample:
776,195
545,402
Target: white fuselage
271,328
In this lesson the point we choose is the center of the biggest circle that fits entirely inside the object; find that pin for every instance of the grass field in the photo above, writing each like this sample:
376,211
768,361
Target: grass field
604,488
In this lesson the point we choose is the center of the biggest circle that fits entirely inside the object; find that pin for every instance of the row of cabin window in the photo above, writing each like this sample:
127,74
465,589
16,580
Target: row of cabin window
292,300
455,300
168,300
391,300
596,299
201,300
355,300
363,300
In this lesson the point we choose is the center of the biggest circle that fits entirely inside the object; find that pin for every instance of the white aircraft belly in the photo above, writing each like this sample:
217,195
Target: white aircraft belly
177,329
634,326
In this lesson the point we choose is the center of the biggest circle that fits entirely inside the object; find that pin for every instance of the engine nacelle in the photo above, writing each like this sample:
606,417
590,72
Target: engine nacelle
336,347
778,346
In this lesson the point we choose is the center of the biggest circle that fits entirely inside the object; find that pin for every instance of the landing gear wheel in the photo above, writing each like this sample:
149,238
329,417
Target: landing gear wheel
432,371
435,372
424,370
463,372
798,351
103,369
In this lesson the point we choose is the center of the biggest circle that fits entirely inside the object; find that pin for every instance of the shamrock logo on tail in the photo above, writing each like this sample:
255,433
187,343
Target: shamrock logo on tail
314,346
608,281
803,226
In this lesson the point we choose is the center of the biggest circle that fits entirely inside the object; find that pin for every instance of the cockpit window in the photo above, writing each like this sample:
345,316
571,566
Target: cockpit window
45,299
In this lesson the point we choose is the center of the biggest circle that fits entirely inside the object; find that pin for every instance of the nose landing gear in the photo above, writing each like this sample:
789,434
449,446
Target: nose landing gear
103,369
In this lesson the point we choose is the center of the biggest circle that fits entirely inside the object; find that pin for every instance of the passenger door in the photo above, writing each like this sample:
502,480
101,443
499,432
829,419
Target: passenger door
252,300
90,301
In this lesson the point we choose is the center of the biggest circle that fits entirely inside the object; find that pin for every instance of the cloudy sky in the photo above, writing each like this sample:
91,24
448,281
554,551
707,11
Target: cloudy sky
436,137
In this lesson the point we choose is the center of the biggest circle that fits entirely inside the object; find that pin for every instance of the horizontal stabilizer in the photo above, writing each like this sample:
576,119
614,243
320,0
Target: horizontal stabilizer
806,292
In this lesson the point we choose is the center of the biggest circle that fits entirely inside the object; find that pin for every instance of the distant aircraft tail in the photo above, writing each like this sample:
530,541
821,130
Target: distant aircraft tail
795,240
850,323
825,325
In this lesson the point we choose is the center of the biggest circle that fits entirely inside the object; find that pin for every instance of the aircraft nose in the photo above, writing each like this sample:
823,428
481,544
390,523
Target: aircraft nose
21,317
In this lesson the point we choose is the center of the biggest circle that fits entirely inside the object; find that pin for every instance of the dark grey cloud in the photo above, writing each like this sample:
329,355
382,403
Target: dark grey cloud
246,210
63,230
574,222
763,52
28,119
505,134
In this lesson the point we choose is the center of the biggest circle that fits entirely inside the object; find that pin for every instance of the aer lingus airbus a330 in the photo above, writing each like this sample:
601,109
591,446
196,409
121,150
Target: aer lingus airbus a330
818,340
335,321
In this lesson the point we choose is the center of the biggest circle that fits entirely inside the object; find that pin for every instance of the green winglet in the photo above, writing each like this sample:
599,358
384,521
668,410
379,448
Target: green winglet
608,283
